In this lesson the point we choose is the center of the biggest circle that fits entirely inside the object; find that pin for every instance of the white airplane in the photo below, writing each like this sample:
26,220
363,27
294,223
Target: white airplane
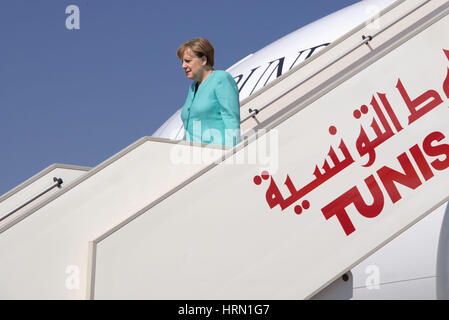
258,69
413,266
95,239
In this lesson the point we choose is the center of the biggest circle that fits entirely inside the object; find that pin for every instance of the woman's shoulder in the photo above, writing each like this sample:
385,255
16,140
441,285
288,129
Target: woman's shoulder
222,77
221,74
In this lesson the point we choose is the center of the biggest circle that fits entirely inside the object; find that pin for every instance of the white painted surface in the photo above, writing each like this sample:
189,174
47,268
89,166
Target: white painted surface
59,261
442,263
42,256
418,289
234,247
411,256
35,185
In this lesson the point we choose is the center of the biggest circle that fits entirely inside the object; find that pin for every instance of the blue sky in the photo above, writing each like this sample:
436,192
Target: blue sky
80,96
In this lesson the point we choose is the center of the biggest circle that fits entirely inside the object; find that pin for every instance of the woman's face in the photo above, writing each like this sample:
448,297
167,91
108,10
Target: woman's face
193,66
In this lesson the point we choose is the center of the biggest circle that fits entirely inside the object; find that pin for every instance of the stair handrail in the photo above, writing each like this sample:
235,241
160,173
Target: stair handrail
57,183
365,40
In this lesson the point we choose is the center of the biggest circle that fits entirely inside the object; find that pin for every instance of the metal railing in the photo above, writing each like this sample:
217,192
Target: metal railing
58,182
365,39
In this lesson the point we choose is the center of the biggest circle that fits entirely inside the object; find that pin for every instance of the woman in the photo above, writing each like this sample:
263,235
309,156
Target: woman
211,113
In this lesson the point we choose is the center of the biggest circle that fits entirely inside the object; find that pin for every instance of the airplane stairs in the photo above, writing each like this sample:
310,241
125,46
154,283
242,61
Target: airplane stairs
339,157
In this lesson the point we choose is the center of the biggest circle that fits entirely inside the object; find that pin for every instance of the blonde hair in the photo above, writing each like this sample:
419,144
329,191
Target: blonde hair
200,47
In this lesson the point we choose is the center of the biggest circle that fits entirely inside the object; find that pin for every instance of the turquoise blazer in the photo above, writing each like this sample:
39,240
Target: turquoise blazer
212,115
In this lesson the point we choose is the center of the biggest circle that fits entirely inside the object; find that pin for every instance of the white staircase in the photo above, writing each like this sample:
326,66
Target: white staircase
350,151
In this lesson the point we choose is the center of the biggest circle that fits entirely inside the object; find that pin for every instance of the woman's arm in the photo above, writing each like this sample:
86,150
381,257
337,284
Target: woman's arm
228,96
